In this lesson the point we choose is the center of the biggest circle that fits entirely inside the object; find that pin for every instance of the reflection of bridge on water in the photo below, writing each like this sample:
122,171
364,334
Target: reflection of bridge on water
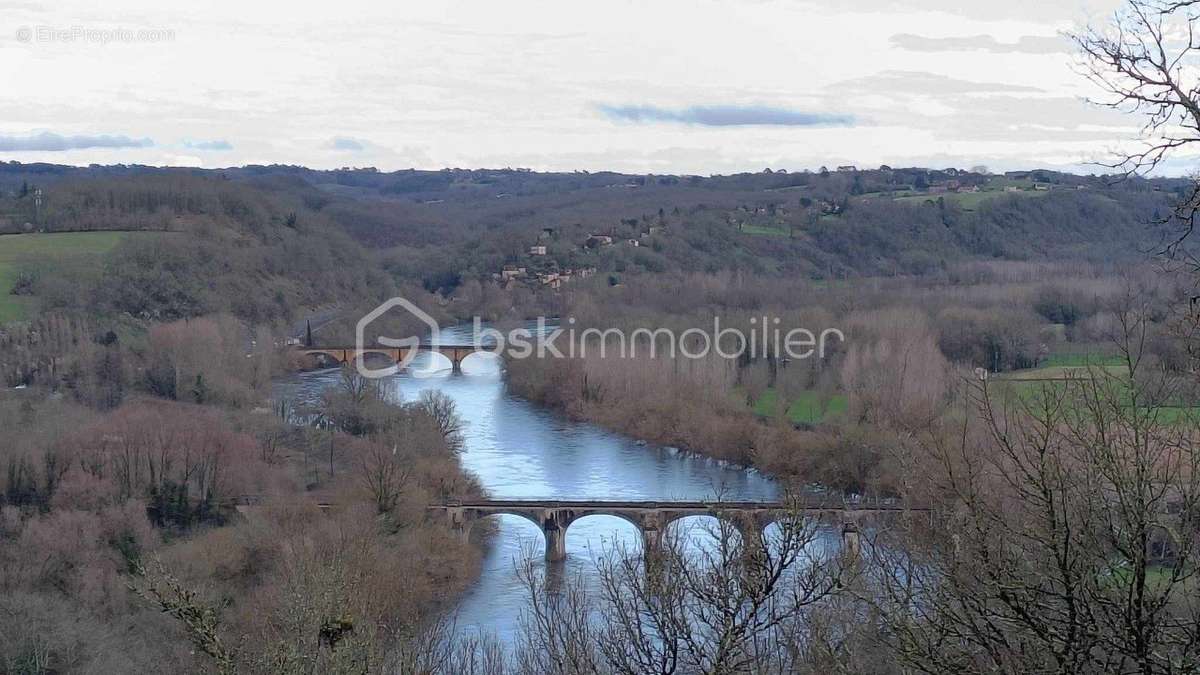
651,518
348,355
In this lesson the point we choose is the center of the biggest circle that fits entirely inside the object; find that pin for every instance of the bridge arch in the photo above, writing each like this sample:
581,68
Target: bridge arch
475,517
326,357
482,361
430,363
701,529
630,534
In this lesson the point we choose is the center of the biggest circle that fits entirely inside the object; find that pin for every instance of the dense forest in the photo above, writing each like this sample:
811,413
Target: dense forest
448,227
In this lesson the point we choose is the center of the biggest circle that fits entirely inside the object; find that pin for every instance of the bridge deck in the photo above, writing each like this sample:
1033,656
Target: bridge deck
423,345
699,506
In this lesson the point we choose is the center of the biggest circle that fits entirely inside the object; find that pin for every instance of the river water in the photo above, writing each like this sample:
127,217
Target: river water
520,451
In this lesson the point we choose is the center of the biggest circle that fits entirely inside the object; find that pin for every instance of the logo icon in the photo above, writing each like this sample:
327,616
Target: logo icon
408,346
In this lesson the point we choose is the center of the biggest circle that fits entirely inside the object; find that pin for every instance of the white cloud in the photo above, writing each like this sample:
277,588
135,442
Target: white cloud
476,83
46,141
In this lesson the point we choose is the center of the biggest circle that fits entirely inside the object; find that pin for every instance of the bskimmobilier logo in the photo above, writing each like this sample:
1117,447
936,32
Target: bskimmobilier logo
409,346
755,337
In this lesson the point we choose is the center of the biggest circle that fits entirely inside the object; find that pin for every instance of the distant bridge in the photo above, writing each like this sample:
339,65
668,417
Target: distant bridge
348,355
652,518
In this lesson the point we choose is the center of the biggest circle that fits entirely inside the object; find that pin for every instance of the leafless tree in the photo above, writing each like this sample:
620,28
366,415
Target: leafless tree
442,409
717,604
1070,534
385,473
556,627
1145,60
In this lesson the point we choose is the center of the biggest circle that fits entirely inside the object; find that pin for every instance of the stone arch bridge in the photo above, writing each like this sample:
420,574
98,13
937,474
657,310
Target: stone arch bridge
652,518
348,355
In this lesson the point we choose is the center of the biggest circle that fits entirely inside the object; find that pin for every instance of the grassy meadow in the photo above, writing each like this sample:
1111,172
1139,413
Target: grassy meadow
46,253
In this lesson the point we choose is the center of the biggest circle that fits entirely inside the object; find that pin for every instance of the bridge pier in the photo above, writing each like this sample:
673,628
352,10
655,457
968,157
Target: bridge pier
556,543
851,546
651,542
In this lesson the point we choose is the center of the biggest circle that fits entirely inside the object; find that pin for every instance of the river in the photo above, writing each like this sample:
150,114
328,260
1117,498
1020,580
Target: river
521,451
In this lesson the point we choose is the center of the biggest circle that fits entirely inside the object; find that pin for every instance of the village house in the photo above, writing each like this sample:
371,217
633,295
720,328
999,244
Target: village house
633,242
512,272
551,279
537,250
598,240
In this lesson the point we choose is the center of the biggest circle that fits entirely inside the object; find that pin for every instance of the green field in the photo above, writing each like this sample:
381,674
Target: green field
807,408
766,230
1082,360
1064,372
52,251
970,200
1029,385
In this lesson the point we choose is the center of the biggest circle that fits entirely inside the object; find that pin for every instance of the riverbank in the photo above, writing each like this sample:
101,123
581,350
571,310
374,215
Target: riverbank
710,424
692,405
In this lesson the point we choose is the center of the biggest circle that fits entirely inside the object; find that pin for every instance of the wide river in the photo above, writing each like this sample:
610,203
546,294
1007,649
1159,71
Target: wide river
520,451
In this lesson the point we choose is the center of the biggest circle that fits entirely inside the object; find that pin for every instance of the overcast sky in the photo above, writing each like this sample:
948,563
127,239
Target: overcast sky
663,86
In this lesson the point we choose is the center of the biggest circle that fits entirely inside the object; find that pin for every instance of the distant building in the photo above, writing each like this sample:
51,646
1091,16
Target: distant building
847,167
633,242
547,233
537,250
598,240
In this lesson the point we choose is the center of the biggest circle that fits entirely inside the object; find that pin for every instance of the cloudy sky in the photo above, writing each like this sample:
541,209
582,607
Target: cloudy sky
678,86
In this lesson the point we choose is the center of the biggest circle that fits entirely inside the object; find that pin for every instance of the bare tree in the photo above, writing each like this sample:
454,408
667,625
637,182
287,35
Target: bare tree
200,620
556,636
1146,61
1070,536
442,409
385,473
735,604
